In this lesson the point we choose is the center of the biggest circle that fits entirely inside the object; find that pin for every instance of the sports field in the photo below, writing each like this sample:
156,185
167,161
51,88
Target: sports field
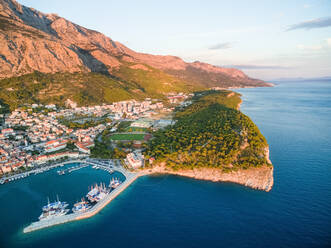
120,136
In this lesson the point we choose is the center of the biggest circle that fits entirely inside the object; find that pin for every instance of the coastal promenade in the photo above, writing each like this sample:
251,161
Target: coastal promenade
129,178
39,170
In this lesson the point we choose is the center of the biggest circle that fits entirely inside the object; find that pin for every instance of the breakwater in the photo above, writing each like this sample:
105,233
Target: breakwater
130,178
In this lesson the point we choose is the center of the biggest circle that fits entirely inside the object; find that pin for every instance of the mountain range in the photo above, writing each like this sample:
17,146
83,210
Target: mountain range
299,79
46,58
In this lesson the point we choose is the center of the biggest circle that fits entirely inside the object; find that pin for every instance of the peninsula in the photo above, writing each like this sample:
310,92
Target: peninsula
212,140
70,92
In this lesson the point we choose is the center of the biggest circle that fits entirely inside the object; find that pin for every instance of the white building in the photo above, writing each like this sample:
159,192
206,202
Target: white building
142,124
135,159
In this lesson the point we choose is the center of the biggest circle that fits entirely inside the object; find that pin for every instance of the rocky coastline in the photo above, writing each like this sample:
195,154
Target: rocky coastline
260,178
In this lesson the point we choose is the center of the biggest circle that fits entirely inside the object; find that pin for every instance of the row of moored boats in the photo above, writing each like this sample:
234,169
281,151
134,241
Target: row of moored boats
96,193
14,177
26,174
71,169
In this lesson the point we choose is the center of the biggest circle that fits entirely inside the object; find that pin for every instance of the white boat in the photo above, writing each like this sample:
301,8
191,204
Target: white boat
97,193
114,183
80,207
46,215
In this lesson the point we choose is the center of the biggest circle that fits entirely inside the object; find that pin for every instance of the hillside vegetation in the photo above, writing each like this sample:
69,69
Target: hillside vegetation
211,132
154,81
88,88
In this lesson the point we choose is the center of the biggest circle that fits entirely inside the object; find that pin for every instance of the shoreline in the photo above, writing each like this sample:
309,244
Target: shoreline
260,178
41,169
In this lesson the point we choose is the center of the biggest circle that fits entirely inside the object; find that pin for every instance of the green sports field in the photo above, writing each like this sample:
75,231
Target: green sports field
120,136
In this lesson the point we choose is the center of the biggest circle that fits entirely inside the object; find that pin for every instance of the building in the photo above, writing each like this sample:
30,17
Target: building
7,131
84,147
6,168
47,158
41,159
162,123
55,145
141,123
135,159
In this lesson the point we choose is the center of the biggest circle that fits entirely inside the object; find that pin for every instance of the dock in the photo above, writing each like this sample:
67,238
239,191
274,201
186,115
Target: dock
74,168
129,178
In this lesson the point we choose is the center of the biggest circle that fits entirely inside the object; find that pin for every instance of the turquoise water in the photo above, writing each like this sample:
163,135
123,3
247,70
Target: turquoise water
22,200
169,211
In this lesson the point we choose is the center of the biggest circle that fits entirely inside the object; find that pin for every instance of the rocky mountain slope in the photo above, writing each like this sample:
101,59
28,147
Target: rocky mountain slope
33,41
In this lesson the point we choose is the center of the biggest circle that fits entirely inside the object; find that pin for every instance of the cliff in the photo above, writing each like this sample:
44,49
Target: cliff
260,178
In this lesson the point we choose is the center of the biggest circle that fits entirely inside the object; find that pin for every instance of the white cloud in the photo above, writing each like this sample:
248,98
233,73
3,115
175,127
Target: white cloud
310,48
218,46
328,41
323,46
252,29
311,24
306,6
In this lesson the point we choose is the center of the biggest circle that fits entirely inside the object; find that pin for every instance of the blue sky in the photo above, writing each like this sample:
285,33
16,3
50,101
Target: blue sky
266,39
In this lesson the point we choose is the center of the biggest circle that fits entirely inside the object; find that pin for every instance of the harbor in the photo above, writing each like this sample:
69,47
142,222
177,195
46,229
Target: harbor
71,169
95,207
38,170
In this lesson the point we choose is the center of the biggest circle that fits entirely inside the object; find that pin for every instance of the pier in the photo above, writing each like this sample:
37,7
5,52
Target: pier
129,178
74,168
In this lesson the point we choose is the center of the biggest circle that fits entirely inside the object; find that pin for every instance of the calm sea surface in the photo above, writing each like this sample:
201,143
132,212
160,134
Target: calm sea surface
169,211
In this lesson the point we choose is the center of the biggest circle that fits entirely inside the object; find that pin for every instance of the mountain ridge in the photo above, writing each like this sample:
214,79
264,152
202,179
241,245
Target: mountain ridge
47,43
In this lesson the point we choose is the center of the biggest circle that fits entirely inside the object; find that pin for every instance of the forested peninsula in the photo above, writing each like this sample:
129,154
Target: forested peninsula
212,140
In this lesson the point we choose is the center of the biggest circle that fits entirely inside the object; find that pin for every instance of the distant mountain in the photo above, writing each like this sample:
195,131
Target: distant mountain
298,79
47,43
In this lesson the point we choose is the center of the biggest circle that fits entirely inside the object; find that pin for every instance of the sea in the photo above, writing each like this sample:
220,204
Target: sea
172,211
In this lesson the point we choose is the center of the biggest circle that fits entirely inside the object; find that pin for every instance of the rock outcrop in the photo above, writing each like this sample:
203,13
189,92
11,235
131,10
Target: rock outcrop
260,178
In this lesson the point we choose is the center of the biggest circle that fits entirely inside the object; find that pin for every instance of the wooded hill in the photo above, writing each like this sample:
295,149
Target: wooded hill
210,133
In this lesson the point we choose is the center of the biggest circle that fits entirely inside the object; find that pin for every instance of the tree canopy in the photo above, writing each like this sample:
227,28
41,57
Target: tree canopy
210,132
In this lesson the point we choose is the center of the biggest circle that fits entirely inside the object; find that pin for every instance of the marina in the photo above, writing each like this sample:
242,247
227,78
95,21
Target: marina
88,212
102,167
37,171
98,196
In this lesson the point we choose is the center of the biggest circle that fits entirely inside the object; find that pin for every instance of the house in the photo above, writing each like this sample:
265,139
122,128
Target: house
6,168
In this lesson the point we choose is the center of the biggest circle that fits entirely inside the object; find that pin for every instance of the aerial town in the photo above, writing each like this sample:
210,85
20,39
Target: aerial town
36,135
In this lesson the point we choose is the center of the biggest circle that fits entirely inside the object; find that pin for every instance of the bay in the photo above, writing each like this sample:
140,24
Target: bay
171,211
